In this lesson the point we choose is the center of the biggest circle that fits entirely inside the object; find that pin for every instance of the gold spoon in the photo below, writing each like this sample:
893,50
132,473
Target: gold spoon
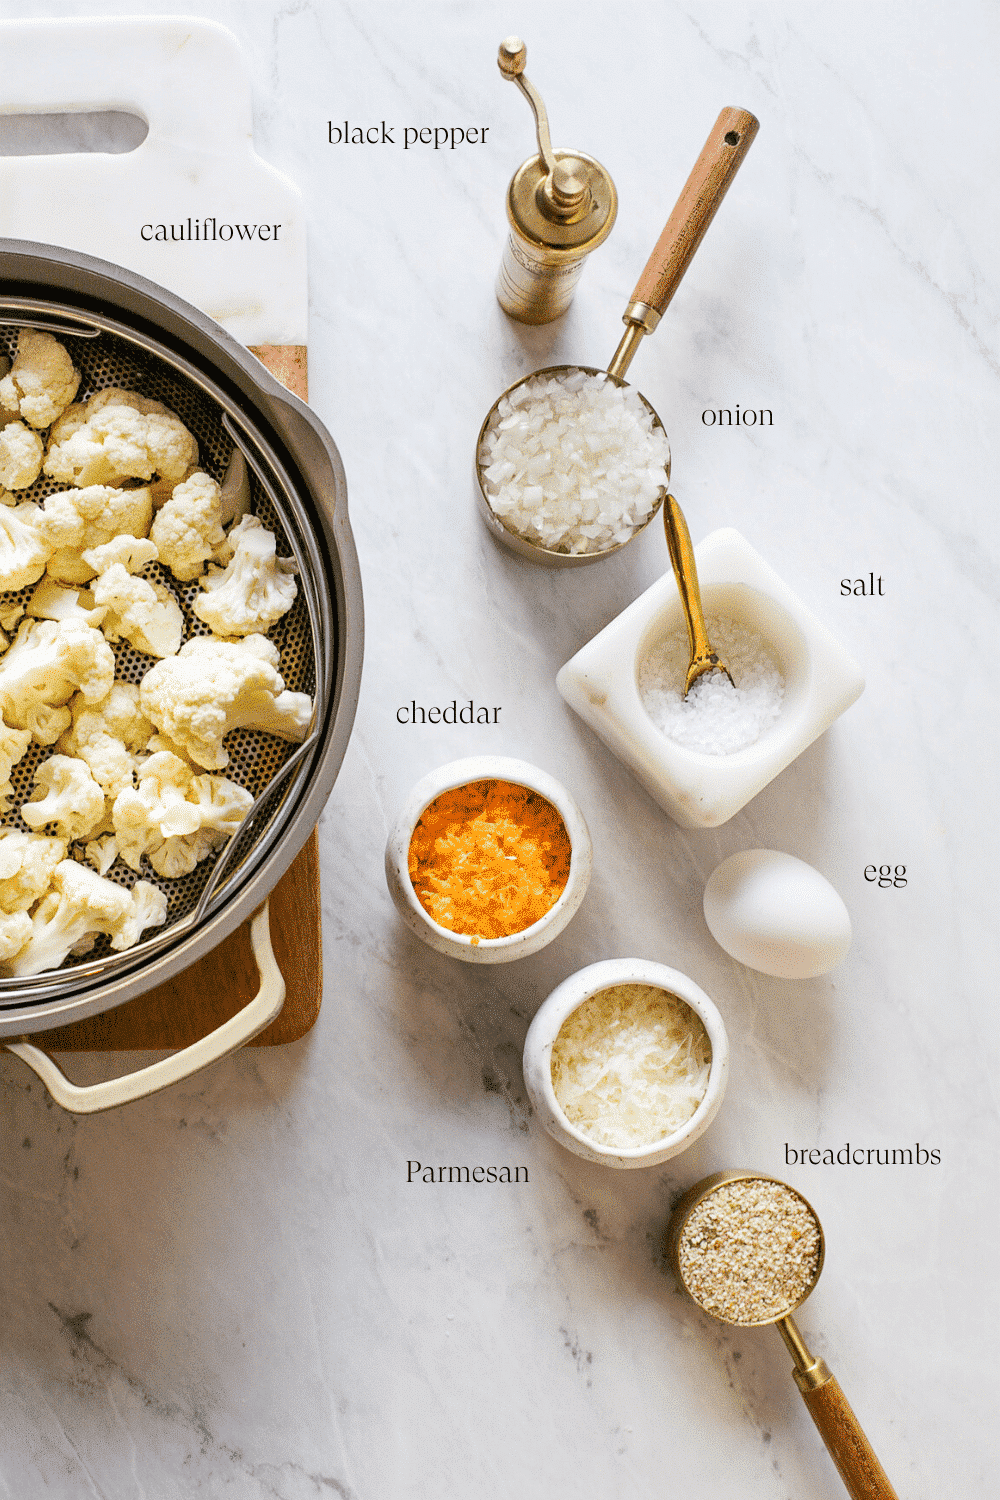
704,657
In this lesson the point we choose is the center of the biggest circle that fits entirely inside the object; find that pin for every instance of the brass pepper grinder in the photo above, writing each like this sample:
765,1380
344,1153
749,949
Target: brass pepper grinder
560,204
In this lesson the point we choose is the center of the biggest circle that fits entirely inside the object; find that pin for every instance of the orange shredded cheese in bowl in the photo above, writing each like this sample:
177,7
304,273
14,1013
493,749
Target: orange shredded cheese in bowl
489,859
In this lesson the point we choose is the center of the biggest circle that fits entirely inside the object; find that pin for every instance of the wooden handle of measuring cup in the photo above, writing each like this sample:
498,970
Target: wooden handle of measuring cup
695,209
850,1450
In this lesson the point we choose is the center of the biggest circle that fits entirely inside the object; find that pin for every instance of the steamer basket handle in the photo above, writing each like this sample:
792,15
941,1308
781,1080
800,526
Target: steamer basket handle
227,1038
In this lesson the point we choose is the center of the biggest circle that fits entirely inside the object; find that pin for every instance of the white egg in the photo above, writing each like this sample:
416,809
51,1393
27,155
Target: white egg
776,914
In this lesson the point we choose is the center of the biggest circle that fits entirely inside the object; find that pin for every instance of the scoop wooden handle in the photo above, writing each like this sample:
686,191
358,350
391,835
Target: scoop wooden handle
720,160
850,1450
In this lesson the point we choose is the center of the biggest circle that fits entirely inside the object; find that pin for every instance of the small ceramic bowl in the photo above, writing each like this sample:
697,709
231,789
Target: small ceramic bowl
462,945
698,790
571,994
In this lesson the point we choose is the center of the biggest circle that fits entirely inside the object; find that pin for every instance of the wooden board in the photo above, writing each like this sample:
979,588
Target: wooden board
218,985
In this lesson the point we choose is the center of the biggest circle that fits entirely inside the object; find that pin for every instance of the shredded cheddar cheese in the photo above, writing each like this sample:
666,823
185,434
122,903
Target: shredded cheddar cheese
489,859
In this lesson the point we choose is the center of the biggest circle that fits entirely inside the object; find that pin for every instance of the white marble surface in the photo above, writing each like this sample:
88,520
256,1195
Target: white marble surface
231,1290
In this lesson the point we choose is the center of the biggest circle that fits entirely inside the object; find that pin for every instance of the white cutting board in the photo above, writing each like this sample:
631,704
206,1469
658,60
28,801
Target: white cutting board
186,77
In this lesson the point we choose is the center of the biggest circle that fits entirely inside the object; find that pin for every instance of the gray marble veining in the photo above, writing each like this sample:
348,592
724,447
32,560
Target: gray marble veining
231,1289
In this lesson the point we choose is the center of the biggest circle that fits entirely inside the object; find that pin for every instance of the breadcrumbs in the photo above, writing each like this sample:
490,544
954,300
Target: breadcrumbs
749,1252
489,858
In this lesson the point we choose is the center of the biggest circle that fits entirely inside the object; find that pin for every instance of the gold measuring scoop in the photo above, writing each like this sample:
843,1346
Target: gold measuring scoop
711,176
769,1276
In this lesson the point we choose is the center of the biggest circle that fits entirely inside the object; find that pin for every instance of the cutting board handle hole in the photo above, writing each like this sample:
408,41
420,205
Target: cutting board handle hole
111,131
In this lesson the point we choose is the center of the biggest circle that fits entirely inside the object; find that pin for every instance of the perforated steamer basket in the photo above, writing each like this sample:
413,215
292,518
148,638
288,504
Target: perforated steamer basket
124,331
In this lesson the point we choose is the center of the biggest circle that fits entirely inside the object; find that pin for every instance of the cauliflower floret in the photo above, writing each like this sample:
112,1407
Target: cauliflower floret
15,930
149,909
10,613
72,419
212,687
130,552
255,590
26,864
176,818
21,452
158,742
43,381
102,853
108,735
122,436
66,796
13,745
51,601
24,551
9,616
48,662
146,614
6,414
74,520
162,489
188,529
80,907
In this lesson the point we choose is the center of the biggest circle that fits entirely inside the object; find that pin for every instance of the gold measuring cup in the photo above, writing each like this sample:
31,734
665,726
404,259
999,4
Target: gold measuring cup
827,1405
711,176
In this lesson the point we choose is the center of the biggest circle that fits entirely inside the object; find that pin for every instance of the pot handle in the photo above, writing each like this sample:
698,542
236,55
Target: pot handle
239,1029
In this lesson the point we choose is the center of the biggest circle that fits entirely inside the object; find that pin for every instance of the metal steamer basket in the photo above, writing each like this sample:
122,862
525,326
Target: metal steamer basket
124,331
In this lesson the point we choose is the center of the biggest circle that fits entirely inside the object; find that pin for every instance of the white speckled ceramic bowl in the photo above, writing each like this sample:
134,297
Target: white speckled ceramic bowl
462,945
571,994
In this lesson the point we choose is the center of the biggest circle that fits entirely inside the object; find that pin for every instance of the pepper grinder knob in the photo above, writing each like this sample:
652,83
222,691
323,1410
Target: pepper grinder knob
512,56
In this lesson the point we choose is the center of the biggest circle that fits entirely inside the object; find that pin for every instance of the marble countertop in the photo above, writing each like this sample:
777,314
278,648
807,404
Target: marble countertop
232,1289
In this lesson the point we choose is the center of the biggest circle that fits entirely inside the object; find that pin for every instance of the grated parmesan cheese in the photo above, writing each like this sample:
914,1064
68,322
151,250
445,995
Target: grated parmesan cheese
630,1065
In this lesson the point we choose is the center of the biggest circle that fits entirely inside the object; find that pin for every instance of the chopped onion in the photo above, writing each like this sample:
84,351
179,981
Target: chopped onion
573,463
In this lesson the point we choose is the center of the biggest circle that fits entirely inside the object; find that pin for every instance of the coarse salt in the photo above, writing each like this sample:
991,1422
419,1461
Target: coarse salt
573,463
716,717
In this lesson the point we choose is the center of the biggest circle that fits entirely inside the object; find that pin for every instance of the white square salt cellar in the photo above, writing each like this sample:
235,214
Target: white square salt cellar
696,789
